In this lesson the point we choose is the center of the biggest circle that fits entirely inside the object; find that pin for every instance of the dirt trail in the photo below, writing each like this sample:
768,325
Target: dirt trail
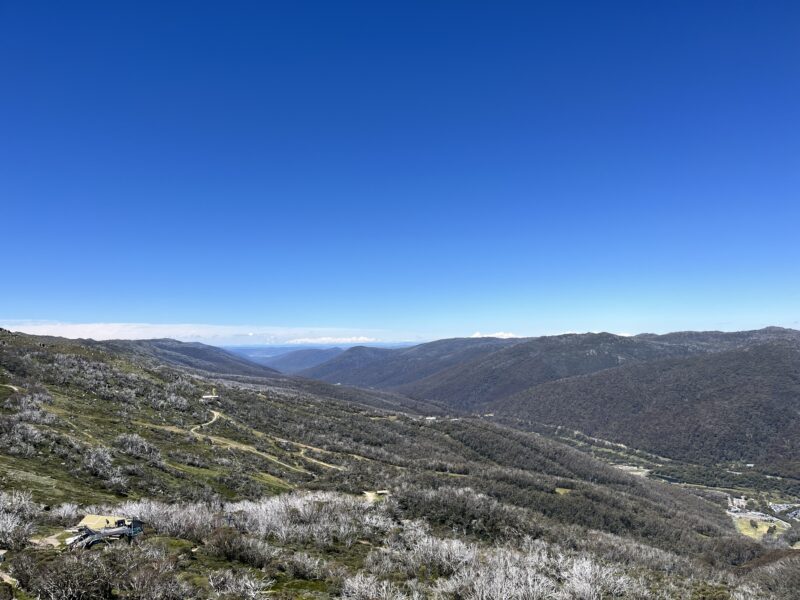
222,441
318,462
280,439
215,415
303,447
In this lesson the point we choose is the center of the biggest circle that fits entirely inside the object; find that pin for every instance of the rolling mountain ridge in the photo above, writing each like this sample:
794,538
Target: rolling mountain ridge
387,368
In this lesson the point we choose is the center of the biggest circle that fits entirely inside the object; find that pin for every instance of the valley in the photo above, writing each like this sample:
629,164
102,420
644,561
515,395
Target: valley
128,429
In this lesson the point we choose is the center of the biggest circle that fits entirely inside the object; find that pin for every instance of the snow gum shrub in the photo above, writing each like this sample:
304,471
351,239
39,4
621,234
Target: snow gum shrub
368,587
66,514
28,408
587,579
415,553
69,576
172,402
732,550
538,572
466,511
140,572
98,461
323,519
193,521
303,566
625,551
183,386
145,572
232,545
237,585
17,512
18,434
135,445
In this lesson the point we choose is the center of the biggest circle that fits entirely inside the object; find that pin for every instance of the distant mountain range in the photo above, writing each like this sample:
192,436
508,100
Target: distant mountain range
387,368
291,361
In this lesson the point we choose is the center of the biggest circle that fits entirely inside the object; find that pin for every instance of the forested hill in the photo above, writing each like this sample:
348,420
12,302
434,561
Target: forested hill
472,373
478,383
737,405
388,368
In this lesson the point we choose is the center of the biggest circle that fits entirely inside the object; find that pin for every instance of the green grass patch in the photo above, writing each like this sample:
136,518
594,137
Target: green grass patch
744,526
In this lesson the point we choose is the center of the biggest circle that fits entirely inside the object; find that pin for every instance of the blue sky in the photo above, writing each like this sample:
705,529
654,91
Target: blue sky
398,170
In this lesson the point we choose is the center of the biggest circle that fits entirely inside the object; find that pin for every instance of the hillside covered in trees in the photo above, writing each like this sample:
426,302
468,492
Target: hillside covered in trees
263,488
706,397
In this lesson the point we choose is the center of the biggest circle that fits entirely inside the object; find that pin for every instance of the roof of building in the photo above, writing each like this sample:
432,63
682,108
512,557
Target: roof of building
100,521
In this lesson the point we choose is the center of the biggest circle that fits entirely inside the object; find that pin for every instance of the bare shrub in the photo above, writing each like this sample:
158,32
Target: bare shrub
19,439
506,574
239,585
320,518
140,572
17,511
169,402
135,445
97,460
465,510
303,566
14,531
414,552
625,551
72,576
67,513
368,587
148,573
585,579
231,545
18,503
191,521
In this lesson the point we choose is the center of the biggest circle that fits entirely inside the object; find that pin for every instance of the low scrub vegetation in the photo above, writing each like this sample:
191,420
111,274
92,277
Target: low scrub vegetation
348,547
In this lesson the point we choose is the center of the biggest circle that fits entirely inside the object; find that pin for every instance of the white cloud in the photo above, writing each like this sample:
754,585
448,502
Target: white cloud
196,332
498,334
360,339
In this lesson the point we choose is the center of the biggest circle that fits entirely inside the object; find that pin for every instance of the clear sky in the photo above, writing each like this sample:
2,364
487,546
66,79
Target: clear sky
398,170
